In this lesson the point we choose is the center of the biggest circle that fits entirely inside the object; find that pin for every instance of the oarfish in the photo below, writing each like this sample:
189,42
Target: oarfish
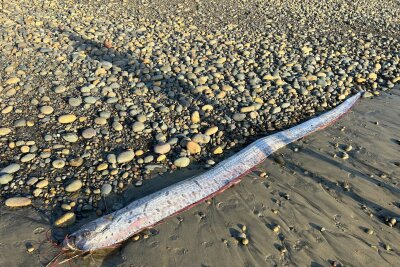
143,213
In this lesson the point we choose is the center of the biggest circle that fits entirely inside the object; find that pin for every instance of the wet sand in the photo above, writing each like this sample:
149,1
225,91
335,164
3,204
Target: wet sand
307,186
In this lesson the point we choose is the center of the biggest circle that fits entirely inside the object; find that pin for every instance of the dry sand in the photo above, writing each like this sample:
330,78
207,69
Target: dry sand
309,188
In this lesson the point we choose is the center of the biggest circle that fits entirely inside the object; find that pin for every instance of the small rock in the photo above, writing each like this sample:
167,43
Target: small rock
201,138
58,164
348,148
125,156
67,118
182,162
218,150
13,80
76,162
42,184
28,157
211,130
4,131
195,117
65,220
6,178
239,117
46,110
162,148
89,133
12,168
74,102
18,202
106,189
102,167
137,126
193,147
70,137
74,186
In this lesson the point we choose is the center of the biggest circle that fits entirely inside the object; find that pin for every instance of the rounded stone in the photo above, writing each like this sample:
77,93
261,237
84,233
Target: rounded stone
68,118
162,148
193,147
102,167
182,162
12,168
42,184
201,138
239,116
195,117
76,162
6,178
141,118
74,186
18,202
106,189
58,164
65,220
137,126
74,102
89,133
46,110
211,130
4,131
100,121
125,156
28,157
70,137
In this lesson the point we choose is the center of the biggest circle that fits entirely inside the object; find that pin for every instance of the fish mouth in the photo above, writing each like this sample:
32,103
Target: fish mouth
69,243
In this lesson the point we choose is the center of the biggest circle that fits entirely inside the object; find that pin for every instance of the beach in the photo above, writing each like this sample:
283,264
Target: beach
104,102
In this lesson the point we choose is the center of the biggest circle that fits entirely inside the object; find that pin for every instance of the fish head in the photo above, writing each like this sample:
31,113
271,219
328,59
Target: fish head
85,239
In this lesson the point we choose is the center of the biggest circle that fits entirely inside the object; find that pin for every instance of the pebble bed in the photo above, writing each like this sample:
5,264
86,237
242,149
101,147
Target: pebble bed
99,95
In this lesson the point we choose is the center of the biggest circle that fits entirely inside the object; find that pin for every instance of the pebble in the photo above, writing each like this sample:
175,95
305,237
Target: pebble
239,116
162,148
68,118
58,164
138,126
47,110
70,137
125,156
211,130
218,150
13,80
42,184
15,202
348,148
28,157
345,155
12,168
106,189
75,102
193,147
4,131
245,241
201,138
195,117
102,167
65,220
182,162
76,162
6,178
74,186
89,133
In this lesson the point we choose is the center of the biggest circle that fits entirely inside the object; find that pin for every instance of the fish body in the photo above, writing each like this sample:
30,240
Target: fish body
143,213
